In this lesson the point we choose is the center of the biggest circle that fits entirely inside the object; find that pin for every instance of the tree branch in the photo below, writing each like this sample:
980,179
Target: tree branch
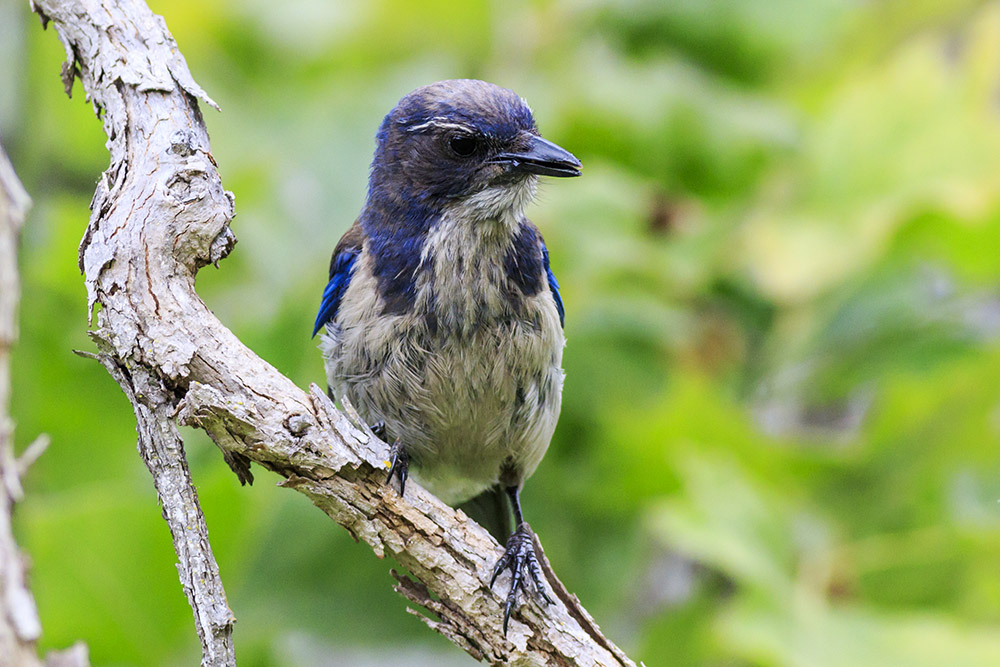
20,627
159,214
162,450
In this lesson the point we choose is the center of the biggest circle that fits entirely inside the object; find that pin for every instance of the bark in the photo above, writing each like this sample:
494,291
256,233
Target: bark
20,627
159,214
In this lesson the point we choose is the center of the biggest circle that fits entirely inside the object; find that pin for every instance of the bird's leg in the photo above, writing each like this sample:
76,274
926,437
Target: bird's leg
519,558
399,464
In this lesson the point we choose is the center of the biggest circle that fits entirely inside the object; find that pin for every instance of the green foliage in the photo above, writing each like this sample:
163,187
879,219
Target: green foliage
779,436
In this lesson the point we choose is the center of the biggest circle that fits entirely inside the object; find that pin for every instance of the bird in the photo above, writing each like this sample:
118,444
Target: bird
442,319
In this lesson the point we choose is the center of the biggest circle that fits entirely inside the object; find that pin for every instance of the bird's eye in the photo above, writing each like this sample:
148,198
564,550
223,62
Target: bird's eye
463,145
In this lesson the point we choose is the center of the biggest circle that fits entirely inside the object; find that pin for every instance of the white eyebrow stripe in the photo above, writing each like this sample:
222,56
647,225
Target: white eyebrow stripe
442,123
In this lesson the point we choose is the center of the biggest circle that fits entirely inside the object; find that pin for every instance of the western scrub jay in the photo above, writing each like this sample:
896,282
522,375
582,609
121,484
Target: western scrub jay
443,319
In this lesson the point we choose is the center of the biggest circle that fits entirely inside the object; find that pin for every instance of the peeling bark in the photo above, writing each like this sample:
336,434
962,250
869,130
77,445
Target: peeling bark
159,214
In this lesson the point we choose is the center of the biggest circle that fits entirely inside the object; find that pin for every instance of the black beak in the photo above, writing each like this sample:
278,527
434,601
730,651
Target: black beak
542,157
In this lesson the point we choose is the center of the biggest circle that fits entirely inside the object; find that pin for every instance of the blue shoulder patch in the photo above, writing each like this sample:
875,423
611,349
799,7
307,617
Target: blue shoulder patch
554,286
340,276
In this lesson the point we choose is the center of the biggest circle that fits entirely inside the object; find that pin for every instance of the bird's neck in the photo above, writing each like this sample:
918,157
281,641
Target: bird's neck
448,265
460,245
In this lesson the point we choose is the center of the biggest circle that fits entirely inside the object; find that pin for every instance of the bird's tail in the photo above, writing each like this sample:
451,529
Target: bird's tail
490,509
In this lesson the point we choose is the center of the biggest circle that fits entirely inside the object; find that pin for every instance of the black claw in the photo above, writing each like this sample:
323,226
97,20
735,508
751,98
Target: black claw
519,558
399,464
536,578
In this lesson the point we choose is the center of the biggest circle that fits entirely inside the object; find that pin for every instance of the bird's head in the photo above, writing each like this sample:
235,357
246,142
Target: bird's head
464,143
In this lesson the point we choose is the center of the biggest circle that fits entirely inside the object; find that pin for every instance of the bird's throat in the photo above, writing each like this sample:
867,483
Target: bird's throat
463,282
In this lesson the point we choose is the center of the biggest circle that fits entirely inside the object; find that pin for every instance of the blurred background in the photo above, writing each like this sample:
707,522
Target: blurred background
779,437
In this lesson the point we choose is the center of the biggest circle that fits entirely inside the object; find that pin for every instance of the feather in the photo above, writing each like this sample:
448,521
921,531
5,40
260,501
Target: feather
341,265
553,286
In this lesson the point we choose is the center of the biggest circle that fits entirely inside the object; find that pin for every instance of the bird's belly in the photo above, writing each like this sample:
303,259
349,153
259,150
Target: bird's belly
472,410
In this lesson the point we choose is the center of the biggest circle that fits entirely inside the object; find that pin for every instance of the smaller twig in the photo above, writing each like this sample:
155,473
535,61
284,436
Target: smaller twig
16,199
32,453
418,593
74,656
9,478
20,626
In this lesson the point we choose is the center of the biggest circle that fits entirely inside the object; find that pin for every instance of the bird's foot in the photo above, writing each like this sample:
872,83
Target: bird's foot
399,464
519,558
378,428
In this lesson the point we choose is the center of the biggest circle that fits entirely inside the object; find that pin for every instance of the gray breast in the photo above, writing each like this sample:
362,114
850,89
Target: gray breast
469,381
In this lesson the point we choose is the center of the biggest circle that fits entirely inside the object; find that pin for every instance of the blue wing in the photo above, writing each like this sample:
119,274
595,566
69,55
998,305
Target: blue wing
340,277
553,286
